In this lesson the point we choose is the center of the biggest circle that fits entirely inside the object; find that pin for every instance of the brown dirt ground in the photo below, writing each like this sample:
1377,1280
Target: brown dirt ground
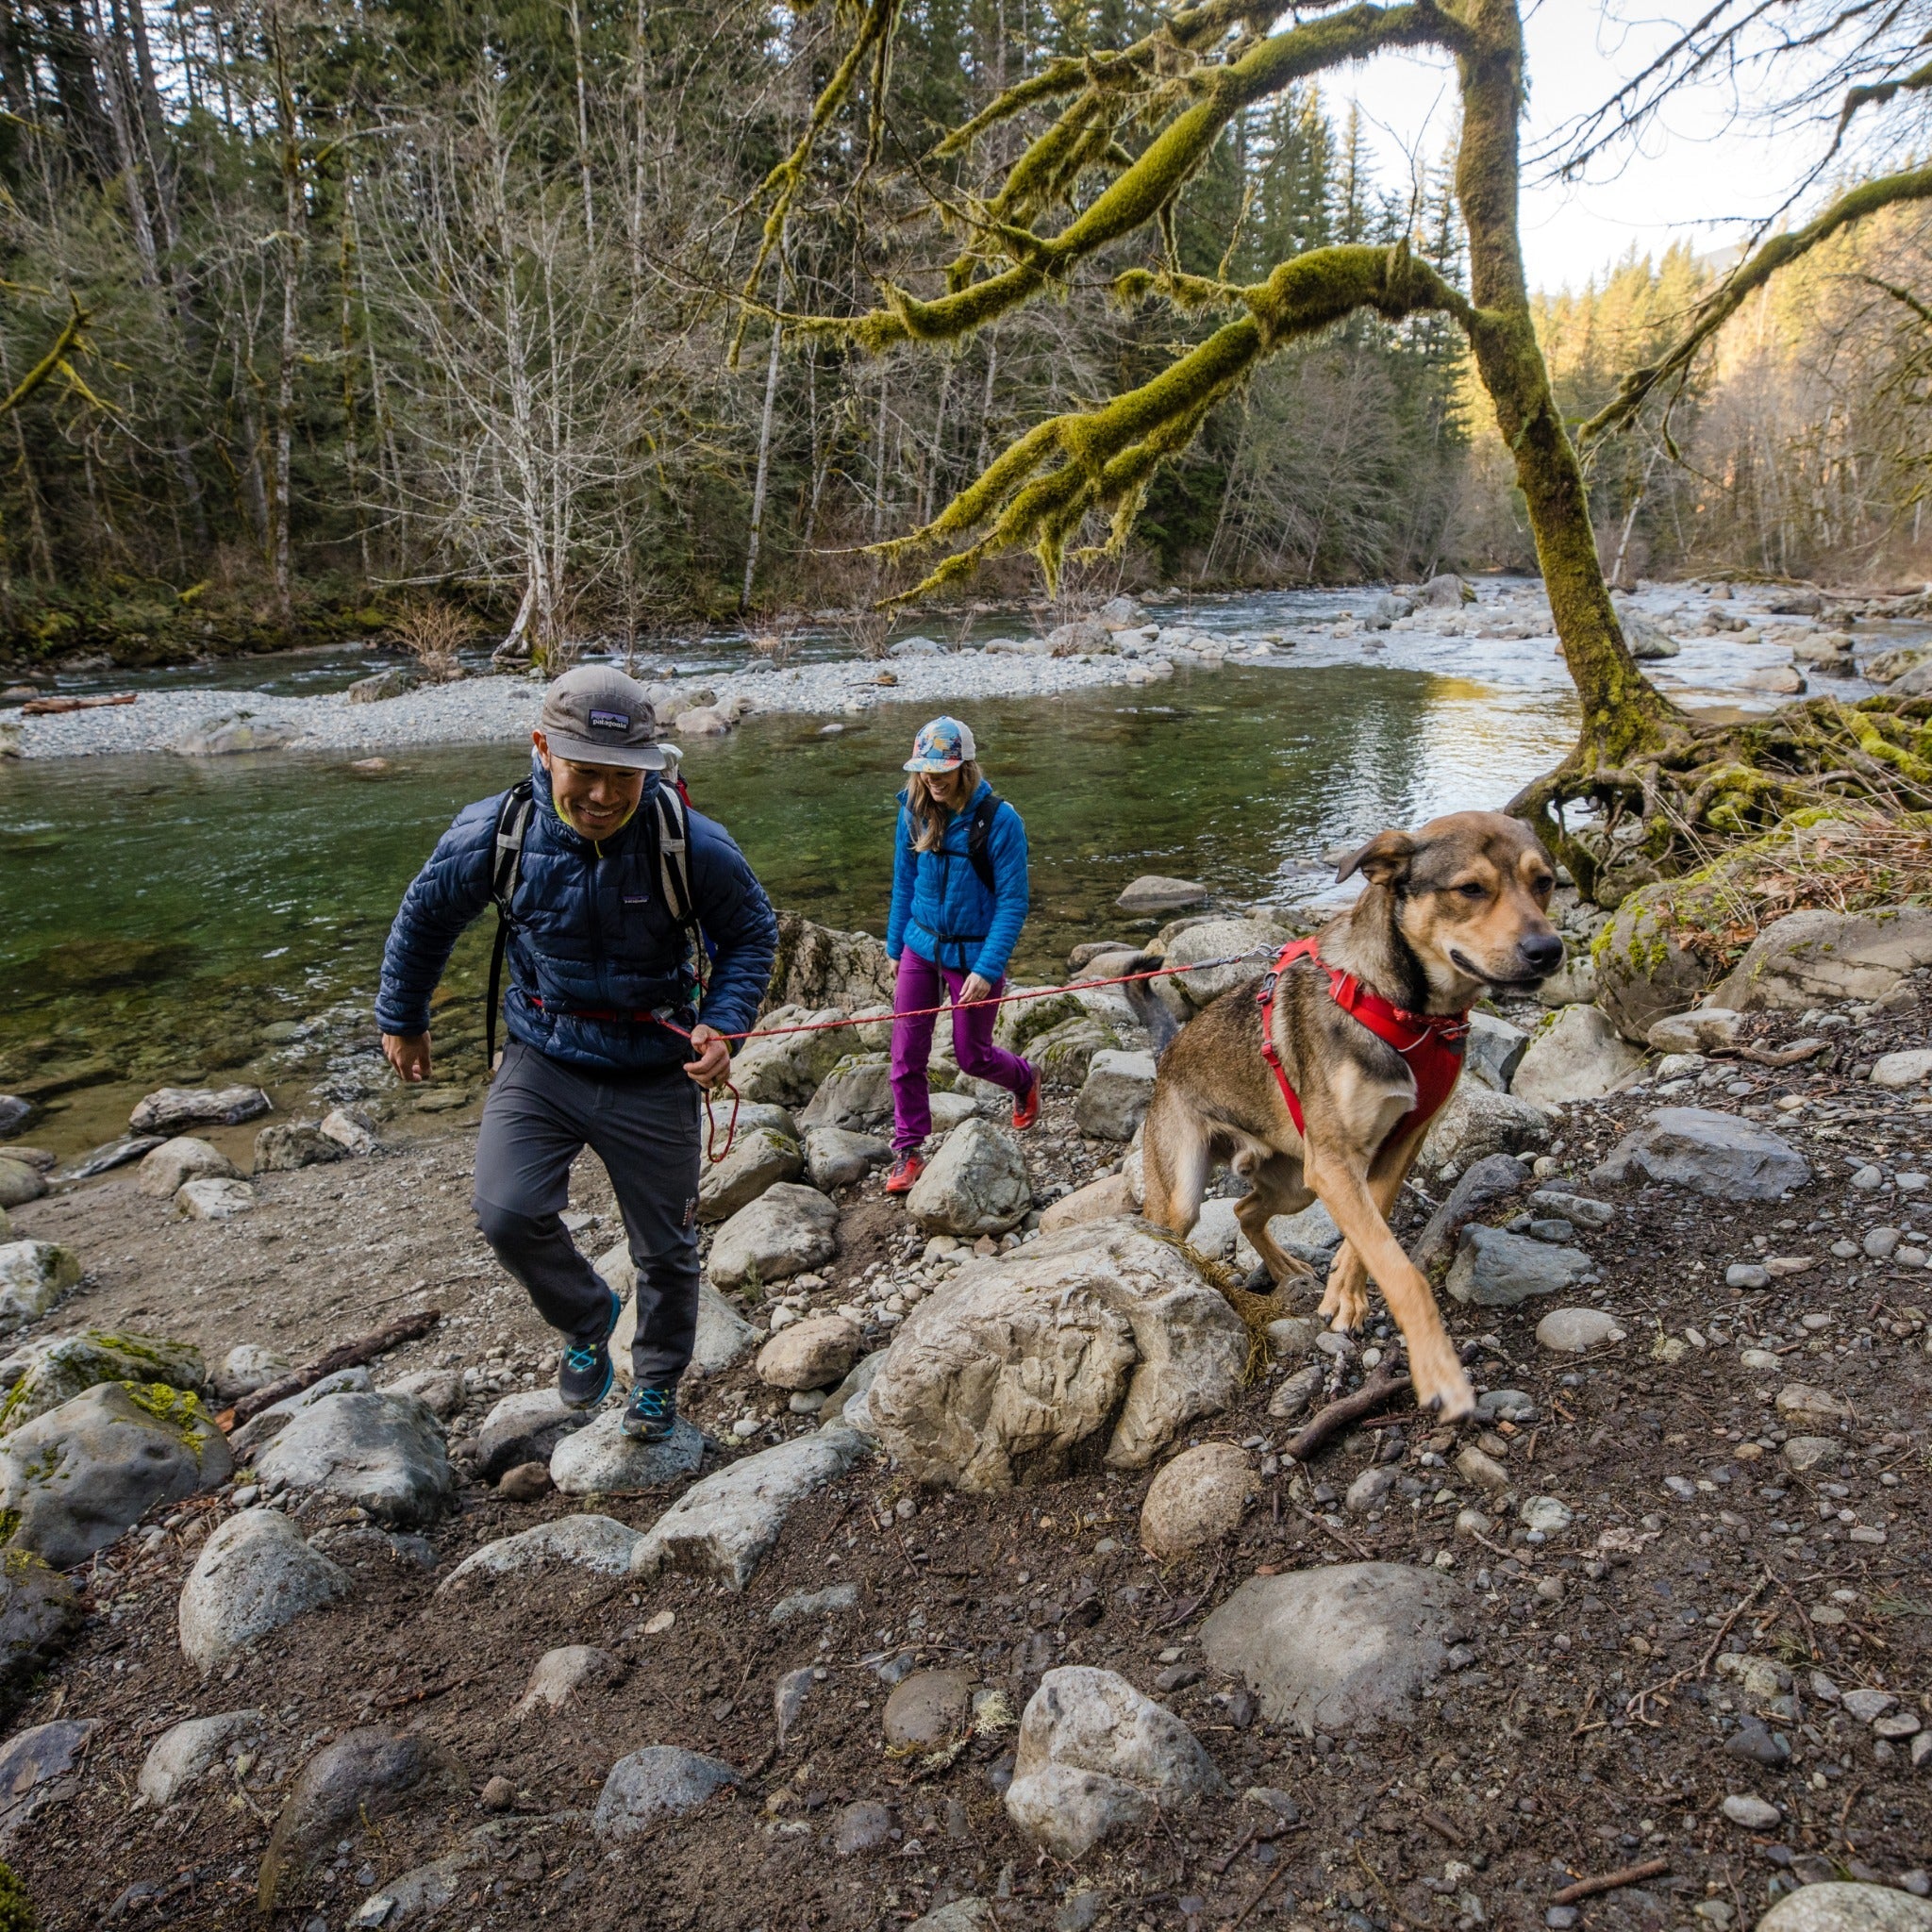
1533,1768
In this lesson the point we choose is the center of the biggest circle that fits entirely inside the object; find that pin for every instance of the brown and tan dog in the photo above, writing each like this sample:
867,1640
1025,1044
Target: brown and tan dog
1449,912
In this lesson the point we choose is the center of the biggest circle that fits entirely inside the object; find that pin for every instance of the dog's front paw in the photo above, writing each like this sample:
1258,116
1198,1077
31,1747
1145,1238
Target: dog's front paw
1346,1304
1435,1372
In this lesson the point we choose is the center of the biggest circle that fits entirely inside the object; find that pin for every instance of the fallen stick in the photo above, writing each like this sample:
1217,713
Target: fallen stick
50,707
1345,1409
1610,1881
351,1355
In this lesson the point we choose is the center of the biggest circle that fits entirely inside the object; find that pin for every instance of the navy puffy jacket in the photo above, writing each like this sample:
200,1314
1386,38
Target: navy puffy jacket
940,907
591,932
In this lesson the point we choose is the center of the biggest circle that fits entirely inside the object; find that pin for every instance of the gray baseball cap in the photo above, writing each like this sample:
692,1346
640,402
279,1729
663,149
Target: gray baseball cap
596,715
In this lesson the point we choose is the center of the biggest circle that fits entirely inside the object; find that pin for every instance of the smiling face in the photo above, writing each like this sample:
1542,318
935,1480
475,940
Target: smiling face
593,800
1473,895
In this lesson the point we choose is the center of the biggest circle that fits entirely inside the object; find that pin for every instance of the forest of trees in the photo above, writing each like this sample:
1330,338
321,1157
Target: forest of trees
410,302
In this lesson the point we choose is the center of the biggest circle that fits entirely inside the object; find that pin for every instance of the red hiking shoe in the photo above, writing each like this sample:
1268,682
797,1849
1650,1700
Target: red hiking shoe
904,1173
1026,1110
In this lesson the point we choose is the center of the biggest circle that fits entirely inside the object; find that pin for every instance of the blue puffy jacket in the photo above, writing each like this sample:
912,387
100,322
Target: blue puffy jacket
591,932
940,907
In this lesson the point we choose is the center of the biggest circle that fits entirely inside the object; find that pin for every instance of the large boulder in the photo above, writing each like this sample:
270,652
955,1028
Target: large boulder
1107,1331
245,1368
1095,1756
33,1276
1494,1268
1813,957
819,966
1339,1647
1577,1055
52,1373
1713,1154
1107,1199
288,1145
1197,1498
758,1160
812,1354
267,1423
1643,969
786,1230
72,1479
858,1092
1495,1051
786,1069
1113,1101
1841,1906
186,1752
170,1109
976,1184
20,1182
384,1454
1477,1121
38,1614
526,1427
1079,638
363,1775
838,1157
1151,892
254,1575
213,1200
597,1545
40,1768
602,1460
724,1526
724,1334
659,1781
176,1162
1250,947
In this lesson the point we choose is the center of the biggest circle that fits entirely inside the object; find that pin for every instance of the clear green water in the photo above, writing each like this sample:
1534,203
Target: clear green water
156,915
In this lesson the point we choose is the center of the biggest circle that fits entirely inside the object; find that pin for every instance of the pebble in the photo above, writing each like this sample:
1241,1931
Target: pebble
1751,1812
1746,1274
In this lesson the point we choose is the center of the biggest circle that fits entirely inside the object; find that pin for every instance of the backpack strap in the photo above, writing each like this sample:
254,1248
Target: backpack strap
979,838
505,869
672,827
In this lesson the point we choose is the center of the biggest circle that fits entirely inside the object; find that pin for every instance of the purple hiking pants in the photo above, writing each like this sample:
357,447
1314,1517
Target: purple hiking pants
919,985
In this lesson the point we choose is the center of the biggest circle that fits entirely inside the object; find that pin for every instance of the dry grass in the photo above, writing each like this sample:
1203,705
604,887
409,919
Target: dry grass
1840,864
869,633
433,632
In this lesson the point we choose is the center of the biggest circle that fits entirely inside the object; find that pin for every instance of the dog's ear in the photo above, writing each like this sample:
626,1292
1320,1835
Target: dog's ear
1381,859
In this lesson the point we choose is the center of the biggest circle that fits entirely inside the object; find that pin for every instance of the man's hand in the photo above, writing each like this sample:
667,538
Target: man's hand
409,1054
971,988
713,1055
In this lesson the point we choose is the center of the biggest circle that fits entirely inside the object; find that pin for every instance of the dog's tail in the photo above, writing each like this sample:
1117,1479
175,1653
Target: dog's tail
1149,1009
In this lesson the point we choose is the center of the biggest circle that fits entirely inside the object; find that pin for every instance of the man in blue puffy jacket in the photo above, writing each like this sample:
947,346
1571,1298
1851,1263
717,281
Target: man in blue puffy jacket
599,961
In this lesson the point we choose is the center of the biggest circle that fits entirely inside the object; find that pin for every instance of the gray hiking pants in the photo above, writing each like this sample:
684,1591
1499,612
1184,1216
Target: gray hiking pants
541,1115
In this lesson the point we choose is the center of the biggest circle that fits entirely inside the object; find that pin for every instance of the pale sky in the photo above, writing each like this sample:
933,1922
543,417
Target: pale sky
1699,174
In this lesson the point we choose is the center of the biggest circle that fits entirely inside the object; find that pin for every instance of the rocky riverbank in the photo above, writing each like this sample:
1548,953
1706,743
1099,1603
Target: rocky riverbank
988,1587
1754,650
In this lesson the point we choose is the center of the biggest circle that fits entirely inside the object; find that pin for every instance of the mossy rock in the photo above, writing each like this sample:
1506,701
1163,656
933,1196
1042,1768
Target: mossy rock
1028,1019
57,1372
81,1475
1672,940
16,1908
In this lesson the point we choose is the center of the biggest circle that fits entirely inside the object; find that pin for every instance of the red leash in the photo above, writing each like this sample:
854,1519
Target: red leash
714,1153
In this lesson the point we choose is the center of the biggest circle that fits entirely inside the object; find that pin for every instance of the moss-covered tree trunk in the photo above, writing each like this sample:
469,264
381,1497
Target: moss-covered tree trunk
1622,712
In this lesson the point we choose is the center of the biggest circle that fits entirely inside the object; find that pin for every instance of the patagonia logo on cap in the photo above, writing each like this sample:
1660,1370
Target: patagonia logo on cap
611,720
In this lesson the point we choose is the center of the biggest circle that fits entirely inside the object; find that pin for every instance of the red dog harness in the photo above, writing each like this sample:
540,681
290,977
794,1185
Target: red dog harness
1432,1043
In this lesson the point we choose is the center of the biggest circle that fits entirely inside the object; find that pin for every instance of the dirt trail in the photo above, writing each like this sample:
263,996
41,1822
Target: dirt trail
1542,1763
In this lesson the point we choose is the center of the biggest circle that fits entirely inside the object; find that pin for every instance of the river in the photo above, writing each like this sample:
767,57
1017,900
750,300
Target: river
172,920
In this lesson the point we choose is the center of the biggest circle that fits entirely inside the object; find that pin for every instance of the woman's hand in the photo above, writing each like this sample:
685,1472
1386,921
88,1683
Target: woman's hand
972,989
712,1056
409,1054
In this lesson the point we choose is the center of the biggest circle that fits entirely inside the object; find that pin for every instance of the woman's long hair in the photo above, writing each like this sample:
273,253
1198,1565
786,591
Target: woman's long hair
930,817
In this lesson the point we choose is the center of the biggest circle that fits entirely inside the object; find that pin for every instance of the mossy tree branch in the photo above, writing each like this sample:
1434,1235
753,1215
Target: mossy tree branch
1036,494
1143,191
1856,204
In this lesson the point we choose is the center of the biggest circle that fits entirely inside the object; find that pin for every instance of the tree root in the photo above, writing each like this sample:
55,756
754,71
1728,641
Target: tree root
1692,788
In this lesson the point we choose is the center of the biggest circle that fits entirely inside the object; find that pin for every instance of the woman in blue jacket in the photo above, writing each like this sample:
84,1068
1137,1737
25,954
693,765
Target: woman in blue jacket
958,901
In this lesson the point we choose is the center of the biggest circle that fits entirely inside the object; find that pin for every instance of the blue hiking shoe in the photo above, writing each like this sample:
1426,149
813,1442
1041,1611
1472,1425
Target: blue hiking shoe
584,1376
650,1414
